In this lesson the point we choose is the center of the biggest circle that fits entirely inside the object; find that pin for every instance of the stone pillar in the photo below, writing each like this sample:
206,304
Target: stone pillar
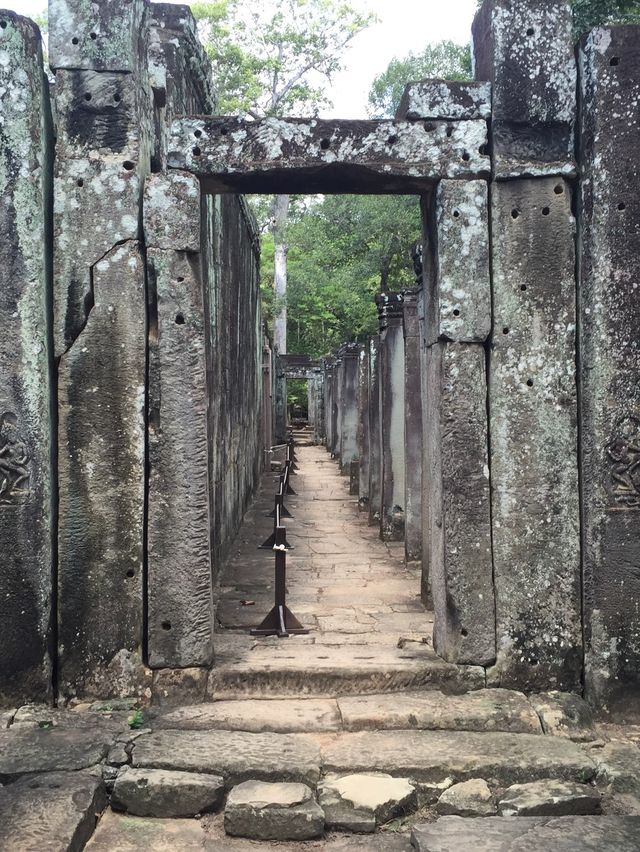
375,434
26,427
609,361
363,427
104,129
349,407
336,407
457,321
526,50
319,430
267,406
329,367
412,429
392,416
311,402
179,571
282,421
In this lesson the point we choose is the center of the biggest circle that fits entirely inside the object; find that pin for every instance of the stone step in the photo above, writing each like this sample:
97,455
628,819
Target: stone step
529,834
429,758
320,671
481,710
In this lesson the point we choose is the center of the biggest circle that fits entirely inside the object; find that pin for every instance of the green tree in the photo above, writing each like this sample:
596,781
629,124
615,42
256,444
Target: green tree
444,61
592,13
276,59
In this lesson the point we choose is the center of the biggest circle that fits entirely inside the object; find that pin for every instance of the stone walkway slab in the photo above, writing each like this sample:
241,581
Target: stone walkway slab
54,811
287,716
432,756
119,833
529,834
483,710
236,756
29,749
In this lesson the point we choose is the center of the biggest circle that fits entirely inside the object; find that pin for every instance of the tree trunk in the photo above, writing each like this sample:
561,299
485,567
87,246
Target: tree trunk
280,215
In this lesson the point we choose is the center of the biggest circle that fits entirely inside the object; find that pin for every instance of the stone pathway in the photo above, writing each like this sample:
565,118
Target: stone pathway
354,737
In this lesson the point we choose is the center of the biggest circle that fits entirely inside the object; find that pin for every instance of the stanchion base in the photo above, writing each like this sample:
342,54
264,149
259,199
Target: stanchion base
280,622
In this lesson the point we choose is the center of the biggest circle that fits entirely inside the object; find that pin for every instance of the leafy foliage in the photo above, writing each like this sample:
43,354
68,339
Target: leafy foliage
591,13
444,60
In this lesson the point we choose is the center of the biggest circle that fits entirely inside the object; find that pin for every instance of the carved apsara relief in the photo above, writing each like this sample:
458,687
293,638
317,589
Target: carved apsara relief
14,462
623,454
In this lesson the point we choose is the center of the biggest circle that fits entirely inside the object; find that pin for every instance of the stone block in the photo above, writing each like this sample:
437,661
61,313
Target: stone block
549,798
375,436
25,420
285,716
467,799
533,426
564,714
459,537
166,793
237,756
618,766
458,292
180,594
56,810
445,99
275,811
348,450
230,154
363,437
179,686
172,211
101,388
609,306
96,207
105,36
544,834
25,750
526,51
360,802
126,833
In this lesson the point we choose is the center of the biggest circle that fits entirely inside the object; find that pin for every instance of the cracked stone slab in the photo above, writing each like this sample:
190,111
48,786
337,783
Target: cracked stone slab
267,811
564,714
236,756
481,710
27,749
428,756
231,154
56,810
166,793
549,798
286,716
529,834
468,799
361,801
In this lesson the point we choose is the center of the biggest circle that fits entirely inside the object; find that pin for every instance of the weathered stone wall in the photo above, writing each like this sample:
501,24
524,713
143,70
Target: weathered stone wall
27,422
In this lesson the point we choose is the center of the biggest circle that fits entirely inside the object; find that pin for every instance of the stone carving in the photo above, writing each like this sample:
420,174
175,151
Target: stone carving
623,452
14,461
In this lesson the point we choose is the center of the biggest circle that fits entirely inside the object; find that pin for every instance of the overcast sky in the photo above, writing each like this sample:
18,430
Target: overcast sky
405,25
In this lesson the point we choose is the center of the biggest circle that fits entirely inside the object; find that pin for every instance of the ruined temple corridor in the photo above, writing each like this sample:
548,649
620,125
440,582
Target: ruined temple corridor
369,631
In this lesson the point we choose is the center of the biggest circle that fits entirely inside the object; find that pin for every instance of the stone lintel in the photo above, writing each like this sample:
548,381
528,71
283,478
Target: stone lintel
325,155
390,309
445,100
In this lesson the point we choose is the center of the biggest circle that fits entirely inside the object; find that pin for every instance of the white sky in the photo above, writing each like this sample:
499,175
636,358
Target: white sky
405,25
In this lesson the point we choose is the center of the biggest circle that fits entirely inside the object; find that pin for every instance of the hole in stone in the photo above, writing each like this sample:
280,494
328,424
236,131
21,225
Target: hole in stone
3,24
466,157
484,150
530,31
545,211
80,182
622,206
324,144
196,152
429,127
93,36
180,279
179,319
392,140
75,40
197,133
505,330
449,132
131,573
456,214
128,166
166,625
515,213
87,96
456,313
558,189
615,60
530,382
464,632
117,98
523,287
223,131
